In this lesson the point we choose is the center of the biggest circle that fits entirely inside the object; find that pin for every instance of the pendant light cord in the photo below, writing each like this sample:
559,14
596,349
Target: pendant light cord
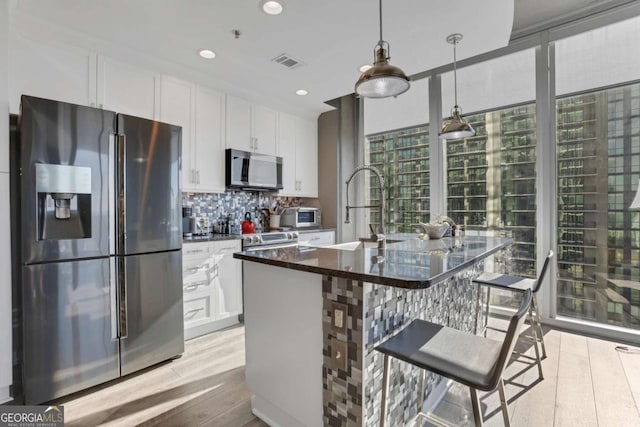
381,21
455,74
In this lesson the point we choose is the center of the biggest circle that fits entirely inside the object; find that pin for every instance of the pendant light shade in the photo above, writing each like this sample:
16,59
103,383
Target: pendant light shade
383,79
456,128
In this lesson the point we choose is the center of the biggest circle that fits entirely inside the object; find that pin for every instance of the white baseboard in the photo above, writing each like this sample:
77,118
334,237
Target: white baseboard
272,415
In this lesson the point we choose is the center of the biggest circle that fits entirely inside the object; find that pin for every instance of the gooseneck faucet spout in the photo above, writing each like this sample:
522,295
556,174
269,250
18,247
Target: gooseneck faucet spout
380,238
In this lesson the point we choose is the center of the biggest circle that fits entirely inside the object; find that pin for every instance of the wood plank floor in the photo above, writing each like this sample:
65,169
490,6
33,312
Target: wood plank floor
587,383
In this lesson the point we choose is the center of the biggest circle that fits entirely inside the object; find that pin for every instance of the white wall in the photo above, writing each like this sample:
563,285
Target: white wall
5,238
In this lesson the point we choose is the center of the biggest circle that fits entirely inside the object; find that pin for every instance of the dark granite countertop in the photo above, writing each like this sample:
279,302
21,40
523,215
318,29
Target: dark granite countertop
410,263
213,238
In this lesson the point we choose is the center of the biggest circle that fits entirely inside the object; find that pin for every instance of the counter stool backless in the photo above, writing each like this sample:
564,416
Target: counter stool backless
469,359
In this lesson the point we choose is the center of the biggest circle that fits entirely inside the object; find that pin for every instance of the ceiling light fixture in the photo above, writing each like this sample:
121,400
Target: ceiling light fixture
302,92
207,54
382,79
456,128
365,68
271,7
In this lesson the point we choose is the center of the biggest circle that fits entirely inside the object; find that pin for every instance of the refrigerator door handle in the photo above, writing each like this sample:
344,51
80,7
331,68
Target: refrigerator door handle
122,296
113,296
121,181
112,194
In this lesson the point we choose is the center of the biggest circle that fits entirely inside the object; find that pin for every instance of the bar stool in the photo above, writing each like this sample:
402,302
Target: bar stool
469,359
520,284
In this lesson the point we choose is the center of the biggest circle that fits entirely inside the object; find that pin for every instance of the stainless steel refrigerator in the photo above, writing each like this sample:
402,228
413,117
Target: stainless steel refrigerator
99,245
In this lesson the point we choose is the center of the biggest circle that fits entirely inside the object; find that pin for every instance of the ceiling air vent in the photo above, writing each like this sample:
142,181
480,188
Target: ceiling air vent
287,61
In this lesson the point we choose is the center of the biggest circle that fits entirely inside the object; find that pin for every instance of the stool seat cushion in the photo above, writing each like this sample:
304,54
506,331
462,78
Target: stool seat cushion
463,357
514,283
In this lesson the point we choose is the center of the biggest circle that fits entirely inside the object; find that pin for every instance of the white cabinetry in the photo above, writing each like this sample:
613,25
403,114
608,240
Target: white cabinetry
68,74
228,279
250,127
208,147
298,146
212,286
126,89
51,71
200,113
176,108
317,238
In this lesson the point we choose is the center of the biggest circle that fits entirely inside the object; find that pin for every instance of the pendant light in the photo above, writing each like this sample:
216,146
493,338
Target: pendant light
383,79
456,128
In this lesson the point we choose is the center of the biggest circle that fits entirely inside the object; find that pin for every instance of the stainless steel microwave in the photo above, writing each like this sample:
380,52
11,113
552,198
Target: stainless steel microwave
253,171
301,217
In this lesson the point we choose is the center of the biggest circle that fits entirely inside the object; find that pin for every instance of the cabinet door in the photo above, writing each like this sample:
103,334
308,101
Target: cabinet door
307,158
227,286
209,140
287,150
176,108
264,129
50,71
238,129
126,89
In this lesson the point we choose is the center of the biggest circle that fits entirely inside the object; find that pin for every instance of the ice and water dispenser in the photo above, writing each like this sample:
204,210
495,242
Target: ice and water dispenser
64,201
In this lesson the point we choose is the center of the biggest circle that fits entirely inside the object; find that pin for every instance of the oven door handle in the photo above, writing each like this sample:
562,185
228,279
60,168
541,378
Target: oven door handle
275,246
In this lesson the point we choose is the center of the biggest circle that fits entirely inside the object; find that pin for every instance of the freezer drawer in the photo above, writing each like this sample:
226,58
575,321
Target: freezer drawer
152,330
70,341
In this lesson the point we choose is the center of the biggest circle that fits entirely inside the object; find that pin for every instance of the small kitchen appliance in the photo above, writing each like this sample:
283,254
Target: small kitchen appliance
248,226
299,217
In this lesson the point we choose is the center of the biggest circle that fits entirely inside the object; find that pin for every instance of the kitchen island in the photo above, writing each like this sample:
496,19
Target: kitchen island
314,315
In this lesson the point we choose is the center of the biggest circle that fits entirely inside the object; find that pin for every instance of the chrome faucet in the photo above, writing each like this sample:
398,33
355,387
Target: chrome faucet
380,237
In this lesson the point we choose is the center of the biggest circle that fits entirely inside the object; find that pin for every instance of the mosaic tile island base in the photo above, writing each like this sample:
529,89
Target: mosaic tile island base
314,315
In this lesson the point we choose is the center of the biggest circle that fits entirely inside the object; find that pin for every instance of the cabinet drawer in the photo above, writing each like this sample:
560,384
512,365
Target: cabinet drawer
321,238
198,310
227,247
191,250
194,288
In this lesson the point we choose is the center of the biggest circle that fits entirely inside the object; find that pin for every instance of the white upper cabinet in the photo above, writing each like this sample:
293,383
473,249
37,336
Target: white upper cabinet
250,127
176,108
287,150
298,147
209,140
307,158
61,73
264,129
200,112
127,89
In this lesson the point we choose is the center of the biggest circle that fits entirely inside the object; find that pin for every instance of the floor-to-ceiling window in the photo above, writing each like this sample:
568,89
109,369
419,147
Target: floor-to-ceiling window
598,167
491,177
403,159
586,152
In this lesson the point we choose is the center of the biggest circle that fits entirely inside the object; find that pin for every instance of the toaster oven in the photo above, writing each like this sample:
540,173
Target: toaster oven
301,218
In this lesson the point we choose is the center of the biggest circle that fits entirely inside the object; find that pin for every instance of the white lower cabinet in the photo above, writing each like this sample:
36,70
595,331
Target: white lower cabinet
317,238
212,286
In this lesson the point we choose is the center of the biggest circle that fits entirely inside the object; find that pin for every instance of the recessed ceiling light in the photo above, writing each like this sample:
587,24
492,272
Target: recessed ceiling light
365,68
301,92
271,7
207,54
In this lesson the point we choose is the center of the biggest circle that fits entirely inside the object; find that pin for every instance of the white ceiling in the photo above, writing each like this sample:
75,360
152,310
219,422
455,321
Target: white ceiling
332,37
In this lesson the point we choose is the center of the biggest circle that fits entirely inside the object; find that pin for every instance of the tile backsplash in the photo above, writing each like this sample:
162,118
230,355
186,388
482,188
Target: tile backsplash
234,204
